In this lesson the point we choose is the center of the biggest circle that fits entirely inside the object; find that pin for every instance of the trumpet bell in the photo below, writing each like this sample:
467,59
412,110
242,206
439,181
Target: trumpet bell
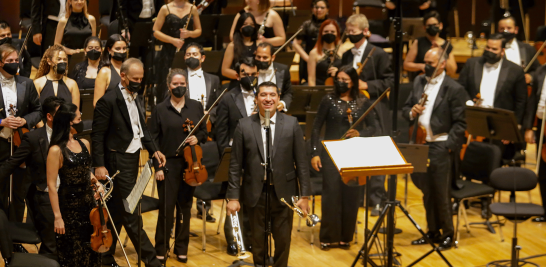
313,220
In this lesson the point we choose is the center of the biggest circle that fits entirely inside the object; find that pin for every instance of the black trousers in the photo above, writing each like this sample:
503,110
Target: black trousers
282,218
48,34
542,168
339,205
21,183
435,185
378,194
44,219
179,195
124,182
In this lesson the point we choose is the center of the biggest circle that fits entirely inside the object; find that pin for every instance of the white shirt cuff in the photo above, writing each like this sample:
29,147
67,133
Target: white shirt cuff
284,105
410,116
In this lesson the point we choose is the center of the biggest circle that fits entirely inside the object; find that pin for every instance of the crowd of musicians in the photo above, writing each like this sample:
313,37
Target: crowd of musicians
50,170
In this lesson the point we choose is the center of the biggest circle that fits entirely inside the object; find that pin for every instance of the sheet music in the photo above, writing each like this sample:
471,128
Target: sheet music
132,200
364,152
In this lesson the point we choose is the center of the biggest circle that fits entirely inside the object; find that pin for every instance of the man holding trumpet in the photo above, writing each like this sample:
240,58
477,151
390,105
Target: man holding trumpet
290,173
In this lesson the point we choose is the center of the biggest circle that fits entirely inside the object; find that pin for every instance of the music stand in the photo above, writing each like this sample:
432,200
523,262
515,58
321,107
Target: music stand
411,27
223,168
493,123
285,58
417,155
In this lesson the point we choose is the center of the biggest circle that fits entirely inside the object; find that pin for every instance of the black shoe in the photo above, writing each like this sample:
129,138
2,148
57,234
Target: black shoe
539,219
163,261
345,245
325,246
182,260
376,211
114,264
446,244
232,249
249,248
209,219
433,236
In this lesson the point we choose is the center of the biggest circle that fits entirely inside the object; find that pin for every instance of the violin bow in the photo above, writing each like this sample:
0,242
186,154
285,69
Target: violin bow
203,119
337,49
343,137
534,57
289,40
24,42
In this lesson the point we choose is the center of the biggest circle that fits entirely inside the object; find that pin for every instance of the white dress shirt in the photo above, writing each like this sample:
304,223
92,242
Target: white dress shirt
432,89
62,11
512,52
488,85
358,53
49,132
9,93
541,102
248,100
272,121
147,9
197,85
130,101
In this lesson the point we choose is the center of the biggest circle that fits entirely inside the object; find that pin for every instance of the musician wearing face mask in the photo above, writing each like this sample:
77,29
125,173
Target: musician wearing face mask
202,86
20,92
443,116
51,79
415,59
113,55
25,66
238,103
85,72
277,73
320,66
167,130
516,51
119,133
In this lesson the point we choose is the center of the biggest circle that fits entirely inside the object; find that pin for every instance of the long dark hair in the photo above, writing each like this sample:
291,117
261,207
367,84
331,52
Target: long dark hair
61,126
349,70
238,38
105,57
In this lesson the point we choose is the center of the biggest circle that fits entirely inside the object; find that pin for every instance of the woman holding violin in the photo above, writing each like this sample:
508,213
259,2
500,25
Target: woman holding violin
338,110
320,65
169,127
69,159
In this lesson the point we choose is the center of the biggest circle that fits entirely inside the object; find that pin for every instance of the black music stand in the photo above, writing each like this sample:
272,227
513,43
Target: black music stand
285,58
412,29
417,155
493,123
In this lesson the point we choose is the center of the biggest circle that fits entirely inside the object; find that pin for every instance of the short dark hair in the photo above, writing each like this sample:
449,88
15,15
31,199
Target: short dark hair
50,105
315,2
198,46
266,44
432,14
4,24
510,18
268,84
249,61
498,36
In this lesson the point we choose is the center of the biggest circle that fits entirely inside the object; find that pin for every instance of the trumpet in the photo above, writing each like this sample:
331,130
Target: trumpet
312,219
109,186
238,237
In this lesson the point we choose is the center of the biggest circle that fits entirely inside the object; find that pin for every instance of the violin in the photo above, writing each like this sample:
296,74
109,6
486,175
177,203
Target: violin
196,173
361,67
101,238
209,124
417,132
18,133
330,80
477,103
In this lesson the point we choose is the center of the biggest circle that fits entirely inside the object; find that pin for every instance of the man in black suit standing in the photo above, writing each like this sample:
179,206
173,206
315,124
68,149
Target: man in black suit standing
119,133
25,66
45,16
290,173
443,117
277,73
238,103
20,92
33,152
516,51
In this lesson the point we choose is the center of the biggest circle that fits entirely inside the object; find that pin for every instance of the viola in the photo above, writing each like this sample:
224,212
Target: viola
101,239
196,173
417,132
18,133
332,57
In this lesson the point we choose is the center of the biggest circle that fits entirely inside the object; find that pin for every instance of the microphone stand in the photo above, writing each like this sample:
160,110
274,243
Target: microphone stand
268,177
123,20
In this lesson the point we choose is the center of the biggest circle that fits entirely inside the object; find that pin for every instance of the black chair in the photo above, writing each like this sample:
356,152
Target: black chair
479,161
24,233
285,58
12,259
514,179
74,60
541,34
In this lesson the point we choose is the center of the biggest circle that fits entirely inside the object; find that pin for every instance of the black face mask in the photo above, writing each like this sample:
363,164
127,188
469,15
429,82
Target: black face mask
491,57
355,38
93,54
119,56
192,63
6,40
329,38
432,30
248,31
134,87
247,83
341,87
508,36
60,68
262,65
429,70
179,91
11,68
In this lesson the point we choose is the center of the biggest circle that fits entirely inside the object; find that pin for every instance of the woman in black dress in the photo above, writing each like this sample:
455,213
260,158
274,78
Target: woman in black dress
169,29
167,130
243,45
86,72
415,59
319,60
75,199
75,27
309,35
273,30
340,201
112,57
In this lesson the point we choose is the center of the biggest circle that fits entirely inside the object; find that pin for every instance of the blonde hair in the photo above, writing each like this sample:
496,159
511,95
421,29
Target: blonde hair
358,20
69,8
49,54
5,50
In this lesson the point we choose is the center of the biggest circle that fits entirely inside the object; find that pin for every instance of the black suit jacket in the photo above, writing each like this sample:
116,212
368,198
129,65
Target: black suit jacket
448,112
526,53
532,102
112,127
228,113
25,65
282,78
511,91
379,76
32,151
288,157
28,104
131,11
40,10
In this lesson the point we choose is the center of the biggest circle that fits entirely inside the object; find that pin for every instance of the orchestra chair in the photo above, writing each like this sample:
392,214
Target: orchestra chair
209,191
294,22
16,259
74,60
480,160
222,32
209,24
513,179
286,58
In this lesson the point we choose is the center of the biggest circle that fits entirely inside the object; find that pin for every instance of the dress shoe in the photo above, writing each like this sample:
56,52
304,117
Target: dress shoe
539,219
325,246
433,236
114,264
345,245
232,249
209,218
163,261
183,260
376,211
446,244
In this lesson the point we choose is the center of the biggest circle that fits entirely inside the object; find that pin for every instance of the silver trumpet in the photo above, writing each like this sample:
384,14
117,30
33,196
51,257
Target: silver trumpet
238,237
312,219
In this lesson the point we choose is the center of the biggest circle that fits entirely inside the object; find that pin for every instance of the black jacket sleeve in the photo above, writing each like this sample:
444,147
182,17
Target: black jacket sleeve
287,89
520,95
457,105
221,125
155,132
34,114
18,158
532,104
236,165
385,76
101,119
320,118
36,10
302,162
